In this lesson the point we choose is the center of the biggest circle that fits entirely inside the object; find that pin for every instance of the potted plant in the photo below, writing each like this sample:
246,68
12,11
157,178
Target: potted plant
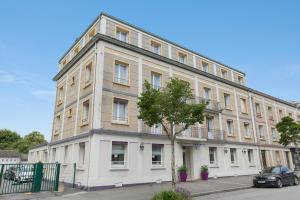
204,172
182,173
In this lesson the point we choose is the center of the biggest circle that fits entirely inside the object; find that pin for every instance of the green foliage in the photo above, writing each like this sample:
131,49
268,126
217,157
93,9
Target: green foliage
32,139
204,169
289,131
168,195
182,169
8,139
168,106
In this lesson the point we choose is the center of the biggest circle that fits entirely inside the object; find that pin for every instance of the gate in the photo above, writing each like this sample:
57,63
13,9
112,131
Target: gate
36,177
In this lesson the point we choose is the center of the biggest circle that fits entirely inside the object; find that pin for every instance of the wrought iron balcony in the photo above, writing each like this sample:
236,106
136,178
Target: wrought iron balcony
203,133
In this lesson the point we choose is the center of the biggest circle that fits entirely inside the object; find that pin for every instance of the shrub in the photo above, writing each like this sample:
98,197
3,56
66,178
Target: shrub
182,169
167,195
184,193
204,169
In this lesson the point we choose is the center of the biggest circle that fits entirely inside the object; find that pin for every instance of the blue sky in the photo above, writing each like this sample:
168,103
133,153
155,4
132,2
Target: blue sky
260,38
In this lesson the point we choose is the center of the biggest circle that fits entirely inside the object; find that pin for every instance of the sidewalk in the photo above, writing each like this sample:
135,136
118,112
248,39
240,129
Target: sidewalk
141,192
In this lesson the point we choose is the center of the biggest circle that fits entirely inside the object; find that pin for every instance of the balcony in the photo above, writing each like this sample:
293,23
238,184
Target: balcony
205,134
213,106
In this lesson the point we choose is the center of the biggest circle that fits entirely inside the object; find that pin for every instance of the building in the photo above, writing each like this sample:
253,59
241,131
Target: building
95,122
11,157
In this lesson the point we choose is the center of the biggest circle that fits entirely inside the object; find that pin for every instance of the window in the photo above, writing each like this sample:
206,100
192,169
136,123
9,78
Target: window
121,73
64,62
81,158
213,155
205,66
233,156
261,131
155,47
157,154
290,115
230,127
243,106
70,113
277,157
250,156
210,127
207,96
224,74
120,110
182,58
66,154
274,135
240,80
88,74
156,129
53,154
60,95
270,113
72,81
247,129
92,33
76,50
85,113
57,124
280,114
118,154
257,110
227,101
156,80
122,34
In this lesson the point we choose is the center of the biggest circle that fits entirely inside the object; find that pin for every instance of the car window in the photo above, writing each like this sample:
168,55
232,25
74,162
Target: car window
284,169
273,170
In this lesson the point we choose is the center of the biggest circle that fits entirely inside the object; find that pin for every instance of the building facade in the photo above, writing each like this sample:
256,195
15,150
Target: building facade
95,119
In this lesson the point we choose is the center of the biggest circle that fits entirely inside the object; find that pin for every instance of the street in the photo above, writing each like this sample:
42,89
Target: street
286,193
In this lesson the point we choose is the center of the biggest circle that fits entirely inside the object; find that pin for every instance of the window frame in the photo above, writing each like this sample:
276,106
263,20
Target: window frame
161,162
215,156
88,67
81,155
183,55
115,119
85,121
154,44
230,133
227,102
125,156
118,80
207,66
243,103
122,30
234,151
153,73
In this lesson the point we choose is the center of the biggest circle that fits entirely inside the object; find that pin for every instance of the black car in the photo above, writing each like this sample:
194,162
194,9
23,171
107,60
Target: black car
277,176
10,173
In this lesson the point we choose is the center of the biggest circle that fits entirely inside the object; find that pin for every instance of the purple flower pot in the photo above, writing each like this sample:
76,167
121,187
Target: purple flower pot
204,176
183,176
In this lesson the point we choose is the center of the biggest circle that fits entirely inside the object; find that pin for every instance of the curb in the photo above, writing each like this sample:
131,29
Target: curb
220,191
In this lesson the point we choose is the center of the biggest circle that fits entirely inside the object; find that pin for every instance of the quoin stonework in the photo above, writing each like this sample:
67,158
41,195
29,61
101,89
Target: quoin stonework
95,120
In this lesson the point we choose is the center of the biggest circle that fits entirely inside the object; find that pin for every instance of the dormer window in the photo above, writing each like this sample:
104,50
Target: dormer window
76,50
205,67
240,80
92,33
182,57
122,34
155,47
64,62
224,74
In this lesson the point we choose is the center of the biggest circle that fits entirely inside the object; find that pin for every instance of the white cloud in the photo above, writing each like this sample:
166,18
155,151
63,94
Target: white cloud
6,77
44,93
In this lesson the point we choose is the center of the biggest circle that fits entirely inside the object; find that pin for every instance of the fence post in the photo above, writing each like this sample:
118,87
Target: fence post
74,174
57,171
37,177
1,174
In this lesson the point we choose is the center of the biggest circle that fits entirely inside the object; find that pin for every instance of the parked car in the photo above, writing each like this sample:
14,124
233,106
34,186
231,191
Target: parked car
10,173
24,174
277,176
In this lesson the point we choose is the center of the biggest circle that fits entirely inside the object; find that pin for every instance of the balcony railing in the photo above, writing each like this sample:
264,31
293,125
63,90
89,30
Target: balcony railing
211,105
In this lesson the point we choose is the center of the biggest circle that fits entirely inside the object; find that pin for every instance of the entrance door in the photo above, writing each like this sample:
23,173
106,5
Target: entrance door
187,161
287,159
264,159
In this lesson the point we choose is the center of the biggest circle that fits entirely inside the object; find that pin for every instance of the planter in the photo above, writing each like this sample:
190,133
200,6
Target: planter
204,176
183,176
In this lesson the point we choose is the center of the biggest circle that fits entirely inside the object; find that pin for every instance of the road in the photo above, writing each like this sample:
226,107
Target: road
286,193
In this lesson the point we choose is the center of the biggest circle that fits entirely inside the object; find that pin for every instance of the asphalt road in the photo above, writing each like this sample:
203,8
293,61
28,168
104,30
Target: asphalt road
286,193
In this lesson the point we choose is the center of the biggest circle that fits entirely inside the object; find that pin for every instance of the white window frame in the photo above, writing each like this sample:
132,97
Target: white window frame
235,160
230,127
117,105
247,129
243,105
156,129
213,151
205,66
182,57
118,76
85,112
122,34
261,132
227,101
155,75
88,74
161,162
155,47
123,164
81,154
250,156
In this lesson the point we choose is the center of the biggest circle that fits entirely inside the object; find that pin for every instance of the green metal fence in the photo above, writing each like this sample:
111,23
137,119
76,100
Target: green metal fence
34,177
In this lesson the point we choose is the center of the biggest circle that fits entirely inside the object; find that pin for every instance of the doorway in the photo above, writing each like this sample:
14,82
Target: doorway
187,160
264,159
287,159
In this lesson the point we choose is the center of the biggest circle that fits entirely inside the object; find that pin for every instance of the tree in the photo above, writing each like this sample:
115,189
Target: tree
170,108
7,139
32,139
289,131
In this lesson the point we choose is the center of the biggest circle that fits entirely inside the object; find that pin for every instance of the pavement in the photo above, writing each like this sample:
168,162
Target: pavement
288,193
140,192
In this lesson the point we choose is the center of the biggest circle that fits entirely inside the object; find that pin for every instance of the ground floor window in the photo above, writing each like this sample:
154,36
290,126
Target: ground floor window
157,154
233,156
250,156
213,155
118,154
81,158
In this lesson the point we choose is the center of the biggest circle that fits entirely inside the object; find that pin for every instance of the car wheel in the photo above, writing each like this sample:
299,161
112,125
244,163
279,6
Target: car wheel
279,183
296,180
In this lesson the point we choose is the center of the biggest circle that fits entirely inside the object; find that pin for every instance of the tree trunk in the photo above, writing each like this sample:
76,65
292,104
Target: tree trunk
173,163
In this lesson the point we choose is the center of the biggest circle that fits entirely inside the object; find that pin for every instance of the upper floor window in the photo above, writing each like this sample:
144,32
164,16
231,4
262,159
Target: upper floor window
85,112
64,62
205,66
182,57
247,129
213,156
280,114
274,135
119,154
156,129
122,34
207,96
157,154
155,80
257,110
60,95
92,33
240,80
224,73
227,101
261,131
70,113
270,113
88,74
121,73
230,127
81,154
290,115
76,50
120,110
57,124
233,156
243,105
155,47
